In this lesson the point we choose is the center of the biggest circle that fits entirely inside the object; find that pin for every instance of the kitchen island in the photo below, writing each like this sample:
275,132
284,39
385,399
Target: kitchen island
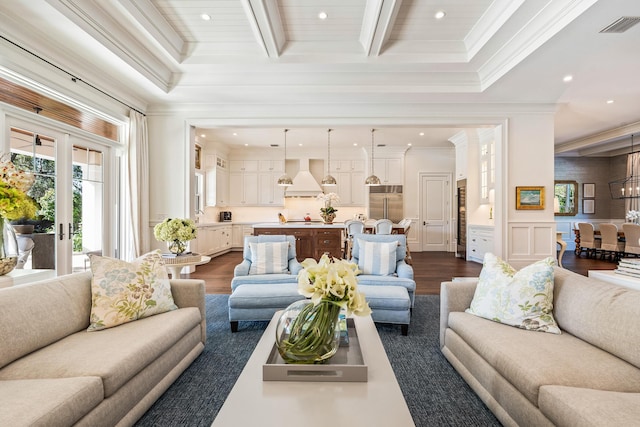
312,238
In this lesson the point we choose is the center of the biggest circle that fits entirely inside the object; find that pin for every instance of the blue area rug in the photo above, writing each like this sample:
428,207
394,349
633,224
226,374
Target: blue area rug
435,394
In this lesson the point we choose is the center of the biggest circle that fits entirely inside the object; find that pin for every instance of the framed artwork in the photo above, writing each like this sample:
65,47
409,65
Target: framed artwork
588,191
198,157
588,206
530,198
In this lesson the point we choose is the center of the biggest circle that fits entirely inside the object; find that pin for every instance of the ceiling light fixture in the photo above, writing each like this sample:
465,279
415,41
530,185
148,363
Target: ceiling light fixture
440,14
567,78
629,187
328,180
610,101
372,179
285,180
323,15
205,17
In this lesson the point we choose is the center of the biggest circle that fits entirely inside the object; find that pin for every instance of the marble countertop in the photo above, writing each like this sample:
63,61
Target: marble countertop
301,224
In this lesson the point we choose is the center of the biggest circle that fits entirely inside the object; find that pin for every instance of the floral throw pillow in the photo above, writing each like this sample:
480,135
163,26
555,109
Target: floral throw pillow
122,291
518,298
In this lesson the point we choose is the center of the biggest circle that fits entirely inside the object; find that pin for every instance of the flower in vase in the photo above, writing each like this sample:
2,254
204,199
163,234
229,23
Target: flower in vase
328,199
14,184
176,230
333,280
633,216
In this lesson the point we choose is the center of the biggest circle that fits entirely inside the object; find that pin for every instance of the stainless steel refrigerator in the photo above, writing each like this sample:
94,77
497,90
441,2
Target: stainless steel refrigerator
385,201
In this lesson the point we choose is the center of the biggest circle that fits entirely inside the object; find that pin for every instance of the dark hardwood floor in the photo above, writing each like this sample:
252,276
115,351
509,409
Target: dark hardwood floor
430,269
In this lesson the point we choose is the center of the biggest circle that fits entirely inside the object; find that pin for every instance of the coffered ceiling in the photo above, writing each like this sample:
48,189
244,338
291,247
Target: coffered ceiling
381,62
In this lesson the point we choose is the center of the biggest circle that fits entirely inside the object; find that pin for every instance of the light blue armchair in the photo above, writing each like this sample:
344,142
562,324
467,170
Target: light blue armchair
386,270
242,271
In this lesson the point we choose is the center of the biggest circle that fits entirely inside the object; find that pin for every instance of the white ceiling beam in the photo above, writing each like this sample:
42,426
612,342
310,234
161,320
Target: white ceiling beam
599,139
488,25
377,22
266,24
114,31
150,18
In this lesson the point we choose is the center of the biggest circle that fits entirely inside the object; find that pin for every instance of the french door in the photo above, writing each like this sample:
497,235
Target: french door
70,191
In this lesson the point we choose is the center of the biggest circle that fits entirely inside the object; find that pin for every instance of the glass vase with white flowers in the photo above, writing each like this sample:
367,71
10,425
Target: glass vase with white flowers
633,216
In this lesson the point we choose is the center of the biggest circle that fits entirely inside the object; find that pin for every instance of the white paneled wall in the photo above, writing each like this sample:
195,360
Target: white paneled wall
530,242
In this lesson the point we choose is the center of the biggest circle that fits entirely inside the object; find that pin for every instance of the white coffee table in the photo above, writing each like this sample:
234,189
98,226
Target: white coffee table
378,402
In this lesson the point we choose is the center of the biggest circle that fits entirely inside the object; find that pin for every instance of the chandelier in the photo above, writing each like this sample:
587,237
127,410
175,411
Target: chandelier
628,187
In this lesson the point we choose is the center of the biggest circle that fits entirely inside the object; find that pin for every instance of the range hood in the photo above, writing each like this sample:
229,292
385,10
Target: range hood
304,184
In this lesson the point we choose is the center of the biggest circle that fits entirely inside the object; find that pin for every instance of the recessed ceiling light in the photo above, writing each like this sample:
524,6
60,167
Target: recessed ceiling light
300,145
246,145
355,144
235,134
203,135
323,15
205,17
421,134
440,14
610,101
409,144
567,78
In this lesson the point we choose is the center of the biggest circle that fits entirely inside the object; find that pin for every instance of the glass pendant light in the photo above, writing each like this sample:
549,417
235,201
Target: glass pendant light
372,179
328,180
285,180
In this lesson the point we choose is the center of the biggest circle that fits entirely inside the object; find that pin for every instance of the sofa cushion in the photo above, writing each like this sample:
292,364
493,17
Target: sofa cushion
570,406
377,258
60,402
529,361
518,298
60,307
124,291
269,257
604,314
116,354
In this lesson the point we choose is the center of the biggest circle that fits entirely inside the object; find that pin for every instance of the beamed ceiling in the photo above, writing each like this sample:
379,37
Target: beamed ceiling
370,63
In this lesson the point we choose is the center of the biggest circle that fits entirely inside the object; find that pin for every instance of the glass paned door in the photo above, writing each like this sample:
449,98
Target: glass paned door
69,188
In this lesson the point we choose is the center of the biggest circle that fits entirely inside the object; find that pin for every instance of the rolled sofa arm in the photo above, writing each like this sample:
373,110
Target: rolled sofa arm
454,296
190,293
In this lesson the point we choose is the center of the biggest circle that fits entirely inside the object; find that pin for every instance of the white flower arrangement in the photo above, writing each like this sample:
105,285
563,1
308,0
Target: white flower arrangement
332,279
633,216
176,229
328,199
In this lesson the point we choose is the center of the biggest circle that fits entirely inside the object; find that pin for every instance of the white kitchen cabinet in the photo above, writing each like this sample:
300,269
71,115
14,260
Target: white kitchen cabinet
238,233
271,166
350,188
347,166
243,188
212,239
479,242
217,181
389,171
243,166
269,192
461,160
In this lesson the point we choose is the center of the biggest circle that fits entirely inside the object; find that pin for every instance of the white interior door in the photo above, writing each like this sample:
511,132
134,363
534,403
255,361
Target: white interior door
435,212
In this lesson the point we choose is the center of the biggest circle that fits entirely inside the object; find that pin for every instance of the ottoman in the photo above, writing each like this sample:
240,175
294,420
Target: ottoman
260,301
389,304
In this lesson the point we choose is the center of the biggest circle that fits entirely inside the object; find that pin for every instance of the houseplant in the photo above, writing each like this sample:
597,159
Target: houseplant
177,232
307,331
14,204
328,212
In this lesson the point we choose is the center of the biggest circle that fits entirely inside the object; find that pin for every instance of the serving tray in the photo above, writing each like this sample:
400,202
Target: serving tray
347,365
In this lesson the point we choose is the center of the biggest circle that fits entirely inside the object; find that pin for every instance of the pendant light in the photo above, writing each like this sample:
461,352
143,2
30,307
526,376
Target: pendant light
328,180
628,187
372,179
285,180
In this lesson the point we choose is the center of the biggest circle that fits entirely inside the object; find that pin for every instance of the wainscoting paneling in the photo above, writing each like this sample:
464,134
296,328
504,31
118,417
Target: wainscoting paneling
530,242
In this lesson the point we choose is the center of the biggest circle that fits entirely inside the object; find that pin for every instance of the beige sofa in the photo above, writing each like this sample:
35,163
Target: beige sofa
55,373
587,376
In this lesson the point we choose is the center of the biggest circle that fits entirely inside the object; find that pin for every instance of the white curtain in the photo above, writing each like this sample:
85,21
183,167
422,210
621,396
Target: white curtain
633,170
137,188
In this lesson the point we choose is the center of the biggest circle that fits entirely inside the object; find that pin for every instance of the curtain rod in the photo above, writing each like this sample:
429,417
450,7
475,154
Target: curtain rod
74,78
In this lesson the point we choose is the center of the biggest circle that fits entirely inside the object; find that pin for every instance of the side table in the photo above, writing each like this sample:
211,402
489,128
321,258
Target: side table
176,268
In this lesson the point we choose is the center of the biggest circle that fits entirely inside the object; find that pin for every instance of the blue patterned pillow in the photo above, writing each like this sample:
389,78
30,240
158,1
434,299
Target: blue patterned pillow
269,257
518,298
377,258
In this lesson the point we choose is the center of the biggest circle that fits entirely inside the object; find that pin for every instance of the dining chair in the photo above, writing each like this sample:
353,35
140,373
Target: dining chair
588,242
383,226
632,239
351,227
611,247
